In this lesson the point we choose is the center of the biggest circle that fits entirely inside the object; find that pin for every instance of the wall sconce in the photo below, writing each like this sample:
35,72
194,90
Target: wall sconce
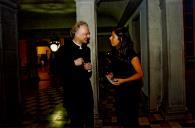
54,45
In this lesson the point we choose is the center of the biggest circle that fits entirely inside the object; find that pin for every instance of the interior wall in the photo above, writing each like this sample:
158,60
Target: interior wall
103,43
189,43
10,95
141,43
45,21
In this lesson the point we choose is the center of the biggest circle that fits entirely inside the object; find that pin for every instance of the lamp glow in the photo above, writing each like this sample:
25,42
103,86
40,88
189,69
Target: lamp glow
54,46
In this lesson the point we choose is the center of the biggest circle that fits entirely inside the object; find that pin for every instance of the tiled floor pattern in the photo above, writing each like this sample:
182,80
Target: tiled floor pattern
44,109
146,120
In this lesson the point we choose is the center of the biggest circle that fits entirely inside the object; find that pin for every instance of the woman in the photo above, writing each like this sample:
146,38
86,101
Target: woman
125,77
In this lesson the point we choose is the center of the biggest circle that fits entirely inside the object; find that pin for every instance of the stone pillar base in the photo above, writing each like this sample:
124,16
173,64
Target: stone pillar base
175,114
98,123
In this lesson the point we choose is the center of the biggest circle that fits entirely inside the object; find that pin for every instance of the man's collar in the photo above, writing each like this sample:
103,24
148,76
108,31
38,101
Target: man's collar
80,45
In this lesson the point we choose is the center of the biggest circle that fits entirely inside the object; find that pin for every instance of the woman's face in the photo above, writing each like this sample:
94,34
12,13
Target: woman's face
114,39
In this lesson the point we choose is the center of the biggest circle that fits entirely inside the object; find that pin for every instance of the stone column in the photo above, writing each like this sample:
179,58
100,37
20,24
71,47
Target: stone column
174,99
10,95
155,54
86,10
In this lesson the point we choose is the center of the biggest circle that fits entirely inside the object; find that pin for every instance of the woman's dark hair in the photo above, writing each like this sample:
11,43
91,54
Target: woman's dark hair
126,42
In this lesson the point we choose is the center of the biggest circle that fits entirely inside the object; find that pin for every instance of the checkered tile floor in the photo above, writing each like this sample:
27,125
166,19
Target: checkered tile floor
146,120
43,109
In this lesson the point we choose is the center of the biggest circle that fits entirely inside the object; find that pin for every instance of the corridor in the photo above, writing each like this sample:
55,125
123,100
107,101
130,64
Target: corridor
43,109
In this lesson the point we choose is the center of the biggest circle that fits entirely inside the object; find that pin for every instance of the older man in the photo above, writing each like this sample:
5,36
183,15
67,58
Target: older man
74,68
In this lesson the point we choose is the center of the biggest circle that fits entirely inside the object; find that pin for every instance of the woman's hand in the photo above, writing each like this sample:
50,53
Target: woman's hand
118,81
109,75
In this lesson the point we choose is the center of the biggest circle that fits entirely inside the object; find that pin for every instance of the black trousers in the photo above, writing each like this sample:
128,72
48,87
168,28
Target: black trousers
127,105
78,100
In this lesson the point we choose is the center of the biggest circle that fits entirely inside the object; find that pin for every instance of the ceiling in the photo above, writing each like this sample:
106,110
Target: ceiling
48,6
38,14
48,18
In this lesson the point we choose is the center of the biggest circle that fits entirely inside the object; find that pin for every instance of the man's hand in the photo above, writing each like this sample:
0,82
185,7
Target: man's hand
78,61
88,67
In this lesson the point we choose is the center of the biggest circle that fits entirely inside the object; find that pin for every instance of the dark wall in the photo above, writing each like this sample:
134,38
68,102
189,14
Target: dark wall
10,101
